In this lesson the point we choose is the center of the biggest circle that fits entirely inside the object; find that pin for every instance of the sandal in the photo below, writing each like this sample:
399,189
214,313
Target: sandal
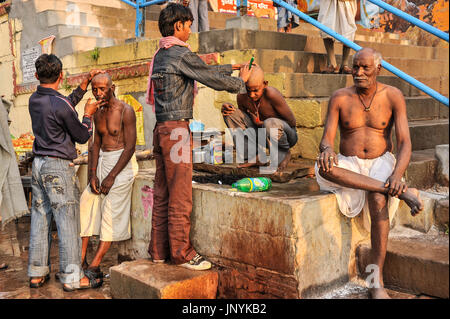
3,266
345,70
44,279
93,283
331,70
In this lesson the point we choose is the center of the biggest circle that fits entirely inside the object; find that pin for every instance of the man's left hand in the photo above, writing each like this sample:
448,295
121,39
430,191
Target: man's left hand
107,183
396,186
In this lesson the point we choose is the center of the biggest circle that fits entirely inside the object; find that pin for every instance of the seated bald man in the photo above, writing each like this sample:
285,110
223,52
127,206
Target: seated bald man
105,204
262,106
365,175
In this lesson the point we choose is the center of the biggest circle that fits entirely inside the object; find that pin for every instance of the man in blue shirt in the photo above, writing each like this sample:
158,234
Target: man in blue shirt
56,128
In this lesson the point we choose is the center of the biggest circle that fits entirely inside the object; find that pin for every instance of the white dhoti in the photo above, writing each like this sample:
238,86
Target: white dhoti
352,201
339,16
109,216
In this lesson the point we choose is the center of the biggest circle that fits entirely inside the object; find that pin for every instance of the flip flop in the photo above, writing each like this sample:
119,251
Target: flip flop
3,266
40,283
97,273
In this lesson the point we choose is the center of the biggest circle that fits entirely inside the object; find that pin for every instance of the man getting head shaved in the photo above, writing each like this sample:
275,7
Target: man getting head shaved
262,107
105,203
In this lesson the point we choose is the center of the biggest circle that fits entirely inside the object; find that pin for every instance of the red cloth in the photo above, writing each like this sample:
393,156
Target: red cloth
164,43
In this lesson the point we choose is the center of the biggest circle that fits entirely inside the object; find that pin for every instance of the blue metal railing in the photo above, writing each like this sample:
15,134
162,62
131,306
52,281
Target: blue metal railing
354,46
139,5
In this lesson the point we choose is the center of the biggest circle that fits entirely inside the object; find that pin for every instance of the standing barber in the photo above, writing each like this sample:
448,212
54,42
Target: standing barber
54,184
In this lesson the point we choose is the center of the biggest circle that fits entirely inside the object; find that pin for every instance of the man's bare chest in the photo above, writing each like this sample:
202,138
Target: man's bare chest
354,116
109,122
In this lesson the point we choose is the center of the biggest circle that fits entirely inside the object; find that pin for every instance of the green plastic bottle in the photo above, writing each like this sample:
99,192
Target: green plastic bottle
254,184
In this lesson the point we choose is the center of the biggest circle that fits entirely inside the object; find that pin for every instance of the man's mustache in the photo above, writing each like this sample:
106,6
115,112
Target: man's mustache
360,78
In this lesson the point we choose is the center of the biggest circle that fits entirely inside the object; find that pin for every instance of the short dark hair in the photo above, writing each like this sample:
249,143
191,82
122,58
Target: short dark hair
171,14
48,68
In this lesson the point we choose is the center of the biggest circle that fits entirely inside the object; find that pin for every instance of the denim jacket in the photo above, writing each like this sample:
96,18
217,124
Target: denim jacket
174,72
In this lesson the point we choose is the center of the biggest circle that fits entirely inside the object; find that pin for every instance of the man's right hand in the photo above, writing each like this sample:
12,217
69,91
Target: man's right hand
326,159
95,185
227,109
91,107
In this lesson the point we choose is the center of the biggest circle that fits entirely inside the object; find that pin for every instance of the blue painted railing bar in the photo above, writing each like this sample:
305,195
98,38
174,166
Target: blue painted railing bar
417,22
146,4
354,46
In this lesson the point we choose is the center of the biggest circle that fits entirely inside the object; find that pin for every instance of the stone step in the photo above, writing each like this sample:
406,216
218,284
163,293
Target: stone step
143,279
315,44
273,61
419,263
238,39
83,6
421,172
75,44
441,214
298,85
217,20
91,32
428,133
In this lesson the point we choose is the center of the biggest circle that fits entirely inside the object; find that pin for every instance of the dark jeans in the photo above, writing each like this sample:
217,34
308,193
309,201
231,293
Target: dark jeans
172,199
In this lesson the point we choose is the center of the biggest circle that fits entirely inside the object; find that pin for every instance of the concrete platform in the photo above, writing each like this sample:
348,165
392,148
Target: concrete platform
419,264
143,279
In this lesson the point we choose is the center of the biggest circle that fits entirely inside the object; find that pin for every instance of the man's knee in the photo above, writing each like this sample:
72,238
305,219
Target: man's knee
377,205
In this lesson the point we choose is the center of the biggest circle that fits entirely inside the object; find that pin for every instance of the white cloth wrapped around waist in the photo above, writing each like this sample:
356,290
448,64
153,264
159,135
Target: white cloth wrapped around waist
352,201
109,215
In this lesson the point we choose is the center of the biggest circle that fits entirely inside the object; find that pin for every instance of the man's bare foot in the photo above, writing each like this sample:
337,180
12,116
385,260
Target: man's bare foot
251,163
284,163
378,293
412,199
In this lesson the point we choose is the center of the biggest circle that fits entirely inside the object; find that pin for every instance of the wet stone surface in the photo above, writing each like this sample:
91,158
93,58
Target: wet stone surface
14,282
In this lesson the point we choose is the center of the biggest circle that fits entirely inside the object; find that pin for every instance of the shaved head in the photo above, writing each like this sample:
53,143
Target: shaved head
101,77
256,76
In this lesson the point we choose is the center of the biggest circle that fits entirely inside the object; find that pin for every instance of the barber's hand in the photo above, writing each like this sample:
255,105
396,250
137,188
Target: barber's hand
227,109
91,107
93,73
326,159
245,72
107,183
95,184
396,185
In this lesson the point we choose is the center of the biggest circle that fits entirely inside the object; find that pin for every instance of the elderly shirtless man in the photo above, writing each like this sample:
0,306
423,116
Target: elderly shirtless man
105,203
262,106
365,171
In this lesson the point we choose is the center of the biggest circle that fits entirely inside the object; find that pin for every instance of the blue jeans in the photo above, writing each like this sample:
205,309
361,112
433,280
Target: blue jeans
55,195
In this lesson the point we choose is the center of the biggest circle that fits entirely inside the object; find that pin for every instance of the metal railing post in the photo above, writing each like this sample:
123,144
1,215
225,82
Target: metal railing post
140,19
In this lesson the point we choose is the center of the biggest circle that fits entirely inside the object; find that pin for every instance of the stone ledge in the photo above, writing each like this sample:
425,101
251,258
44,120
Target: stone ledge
143,279
416,264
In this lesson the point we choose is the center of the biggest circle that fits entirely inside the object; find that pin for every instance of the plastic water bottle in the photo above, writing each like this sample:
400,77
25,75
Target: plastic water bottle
254,184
